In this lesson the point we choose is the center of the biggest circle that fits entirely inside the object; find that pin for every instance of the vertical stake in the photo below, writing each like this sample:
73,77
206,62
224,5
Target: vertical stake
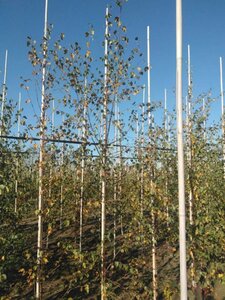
181,185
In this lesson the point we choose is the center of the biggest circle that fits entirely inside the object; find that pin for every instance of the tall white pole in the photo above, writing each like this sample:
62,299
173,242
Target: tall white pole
4,93
222,111
41,154
149,74
104,157
181,185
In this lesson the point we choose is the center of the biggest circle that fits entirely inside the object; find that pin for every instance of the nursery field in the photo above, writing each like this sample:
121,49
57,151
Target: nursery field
91,203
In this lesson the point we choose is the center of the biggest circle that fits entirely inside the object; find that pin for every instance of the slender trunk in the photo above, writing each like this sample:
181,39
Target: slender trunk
52,149
142,147
41,161
181,185
51,167
166,158
115,178
3,95
222,112
61,185
141,157
189,127
120,171
189,157
75,211
104,165
17,160
84,137
154,242
204,122
137,134
169,134
150,122
139,170
154,265
81,197
114,212
149,74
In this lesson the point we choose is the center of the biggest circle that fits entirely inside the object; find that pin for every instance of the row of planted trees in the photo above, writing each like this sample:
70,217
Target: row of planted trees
106,203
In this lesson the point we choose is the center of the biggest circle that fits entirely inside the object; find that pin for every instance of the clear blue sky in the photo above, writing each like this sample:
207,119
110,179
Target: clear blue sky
203,29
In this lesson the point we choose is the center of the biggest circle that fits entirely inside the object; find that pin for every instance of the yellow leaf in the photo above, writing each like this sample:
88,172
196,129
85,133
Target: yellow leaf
88,53
22,271
27,255
49,230
45,260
